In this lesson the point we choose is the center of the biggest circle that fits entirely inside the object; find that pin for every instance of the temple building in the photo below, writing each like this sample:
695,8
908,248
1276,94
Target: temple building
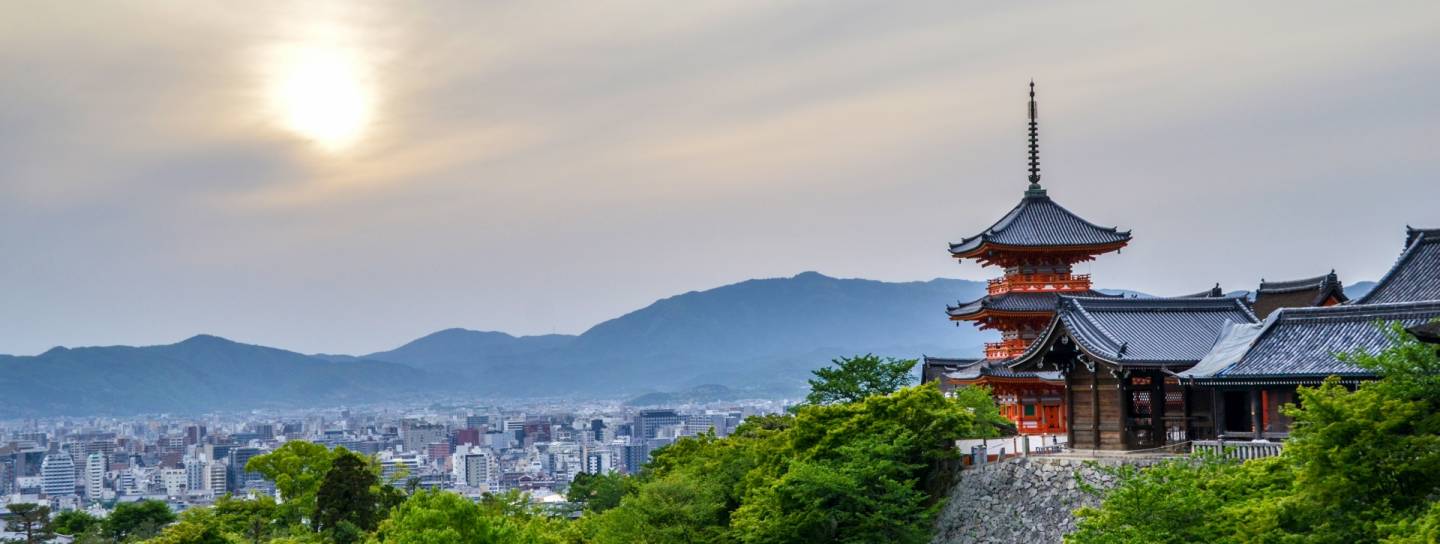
1310,292
1036,245
1254,368
1119,358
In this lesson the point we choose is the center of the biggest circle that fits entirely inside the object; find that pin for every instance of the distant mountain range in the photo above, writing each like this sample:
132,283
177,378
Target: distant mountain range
753,338
757,337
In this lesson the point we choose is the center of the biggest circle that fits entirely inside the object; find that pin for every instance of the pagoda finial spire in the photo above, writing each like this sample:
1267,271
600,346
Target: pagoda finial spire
1035,189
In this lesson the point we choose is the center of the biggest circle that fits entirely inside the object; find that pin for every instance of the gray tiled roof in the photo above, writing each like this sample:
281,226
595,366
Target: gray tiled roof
1291,286
1038,221
1304,342
1150,331
970,369
1415,276
1015,302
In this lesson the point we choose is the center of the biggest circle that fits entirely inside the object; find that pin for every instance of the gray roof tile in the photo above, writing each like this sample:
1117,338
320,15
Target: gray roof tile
1304,342
1150,331
1416,274
1038,221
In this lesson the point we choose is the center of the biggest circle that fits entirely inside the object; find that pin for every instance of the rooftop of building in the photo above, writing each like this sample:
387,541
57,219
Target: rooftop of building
1295,343
1415,275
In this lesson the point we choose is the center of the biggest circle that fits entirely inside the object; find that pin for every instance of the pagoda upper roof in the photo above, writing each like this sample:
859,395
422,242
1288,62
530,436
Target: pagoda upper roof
1176,331
1416,274
1303,344
1037,222
1016,303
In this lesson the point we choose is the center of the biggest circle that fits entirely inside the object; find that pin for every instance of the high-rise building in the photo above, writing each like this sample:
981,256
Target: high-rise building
215,479
474,467
649,422
468,435
57,474
598,462
415,436
95,466
173,479
636,455
477,422
238,474
196,471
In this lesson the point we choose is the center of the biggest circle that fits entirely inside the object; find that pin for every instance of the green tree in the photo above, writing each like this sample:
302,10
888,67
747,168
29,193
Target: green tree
31,520
254,520
74,522
138,520
196,526
867,471
438,517
297,468
852,379
600,492
348,494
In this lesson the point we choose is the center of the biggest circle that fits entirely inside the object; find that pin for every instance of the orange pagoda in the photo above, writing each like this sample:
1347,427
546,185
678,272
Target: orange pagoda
1036,245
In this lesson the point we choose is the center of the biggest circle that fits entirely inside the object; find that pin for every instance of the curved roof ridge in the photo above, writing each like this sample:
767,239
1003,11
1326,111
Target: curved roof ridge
1284,286
1090,319
1355,311
1414,240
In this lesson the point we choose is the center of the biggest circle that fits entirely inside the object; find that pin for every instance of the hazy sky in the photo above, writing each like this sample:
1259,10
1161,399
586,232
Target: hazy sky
343,177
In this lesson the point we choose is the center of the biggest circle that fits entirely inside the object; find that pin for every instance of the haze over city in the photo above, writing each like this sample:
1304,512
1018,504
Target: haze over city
344,177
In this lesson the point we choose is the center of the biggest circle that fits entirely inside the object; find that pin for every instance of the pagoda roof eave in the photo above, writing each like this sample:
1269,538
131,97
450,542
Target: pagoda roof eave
986,247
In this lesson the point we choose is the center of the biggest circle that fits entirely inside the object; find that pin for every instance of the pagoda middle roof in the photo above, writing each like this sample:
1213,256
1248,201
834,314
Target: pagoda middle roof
1017,302
1416,274
1038,222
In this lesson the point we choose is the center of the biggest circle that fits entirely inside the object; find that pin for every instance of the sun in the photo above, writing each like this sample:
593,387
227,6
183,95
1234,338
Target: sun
322,92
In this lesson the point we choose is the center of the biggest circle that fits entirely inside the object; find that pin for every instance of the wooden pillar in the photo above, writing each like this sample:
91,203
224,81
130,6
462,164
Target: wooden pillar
1186,411
1255,411
1095,404
1127,439
1069,407
1157,408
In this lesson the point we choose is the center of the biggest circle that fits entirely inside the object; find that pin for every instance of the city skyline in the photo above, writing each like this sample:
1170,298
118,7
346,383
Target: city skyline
534,170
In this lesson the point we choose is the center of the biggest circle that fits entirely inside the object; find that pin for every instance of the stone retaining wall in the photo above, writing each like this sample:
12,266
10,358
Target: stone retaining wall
1021,500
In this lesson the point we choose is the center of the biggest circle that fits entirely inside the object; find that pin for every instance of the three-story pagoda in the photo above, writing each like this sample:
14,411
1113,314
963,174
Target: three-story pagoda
1037,246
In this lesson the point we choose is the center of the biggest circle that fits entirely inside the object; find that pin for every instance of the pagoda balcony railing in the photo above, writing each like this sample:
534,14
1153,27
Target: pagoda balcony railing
1005,349
1039,283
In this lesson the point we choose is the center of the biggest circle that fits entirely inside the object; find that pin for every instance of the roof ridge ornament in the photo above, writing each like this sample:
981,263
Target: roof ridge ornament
1035,190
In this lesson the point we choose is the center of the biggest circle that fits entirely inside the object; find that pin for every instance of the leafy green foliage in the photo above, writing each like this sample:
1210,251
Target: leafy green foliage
431,517
852,379
599,492
297,468
1359,466
138,520
74,522
853,472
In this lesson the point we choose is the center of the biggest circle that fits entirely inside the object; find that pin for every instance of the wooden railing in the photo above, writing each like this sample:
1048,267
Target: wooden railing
1238,449
1005,349
1039,283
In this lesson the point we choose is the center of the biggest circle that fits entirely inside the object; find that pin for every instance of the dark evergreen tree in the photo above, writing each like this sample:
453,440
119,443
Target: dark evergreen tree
348,496
31,520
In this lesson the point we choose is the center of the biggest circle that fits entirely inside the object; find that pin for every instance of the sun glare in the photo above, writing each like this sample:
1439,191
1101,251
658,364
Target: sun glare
322,92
